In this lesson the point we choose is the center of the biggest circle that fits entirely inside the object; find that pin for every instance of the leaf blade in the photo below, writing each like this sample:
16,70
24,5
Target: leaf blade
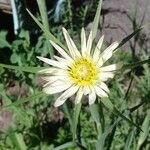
3,41
114,110
127,38
96,19
64,146
76,114
20,68
144,134
101,141
48,34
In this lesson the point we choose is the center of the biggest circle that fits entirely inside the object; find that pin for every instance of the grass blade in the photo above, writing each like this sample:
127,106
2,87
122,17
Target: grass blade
67,113
20,68
3,41
114,110
43,12
18,141
64,146
96,19
48,34
101,141
75,119
107,103
136,64
145,128
125,118
129,140
127,38
95,113
94,109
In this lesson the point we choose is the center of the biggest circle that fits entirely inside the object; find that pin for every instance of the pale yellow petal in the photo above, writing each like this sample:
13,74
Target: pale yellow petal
58,83
104,87
100,62
104,76
53,62
86,90
109,51
79,96
89,43
97,50
61,51
55,83
83,42
92,97
51,79
56,89
100,92
59,102
49,82
62,60
68,93
112,67
48,70
71,46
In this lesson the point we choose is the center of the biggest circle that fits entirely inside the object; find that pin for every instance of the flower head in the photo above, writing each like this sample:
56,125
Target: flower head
79,72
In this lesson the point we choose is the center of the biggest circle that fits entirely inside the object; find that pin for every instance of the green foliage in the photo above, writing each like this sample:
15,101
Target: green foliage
3,41
112,123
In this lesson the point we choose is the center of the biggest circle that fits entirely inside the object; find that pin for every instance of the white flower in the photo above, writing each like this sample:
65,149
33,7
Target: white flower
79,72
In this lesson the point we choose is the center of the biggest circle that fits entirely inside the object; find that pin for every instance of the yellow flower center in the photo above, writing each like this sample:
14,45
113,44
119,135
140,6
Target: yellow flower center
83,72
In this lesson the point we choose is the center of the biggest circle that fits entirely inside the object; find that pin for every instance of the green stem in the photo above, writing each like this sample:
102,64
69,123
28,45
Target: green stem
66,110
76,114
43,12
70,13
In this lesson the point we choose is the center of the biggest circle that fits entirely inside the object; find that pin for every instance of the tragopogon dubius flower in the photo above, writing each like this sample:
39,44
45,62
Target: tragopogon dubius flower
79,72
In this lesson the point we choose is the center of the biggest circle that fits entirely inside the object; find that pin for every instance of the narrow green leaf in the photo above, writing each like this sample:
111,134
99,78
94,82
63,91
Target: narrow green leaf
101,141
133,65
4,96
67,113
75,119
127,38
129,140
48,34
107,103
22,101
64,146
3,41
96,19
114,110
18,113
110,138
18,141
125,118
128,89
20,68
145,128
138,105
94,109
43,12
